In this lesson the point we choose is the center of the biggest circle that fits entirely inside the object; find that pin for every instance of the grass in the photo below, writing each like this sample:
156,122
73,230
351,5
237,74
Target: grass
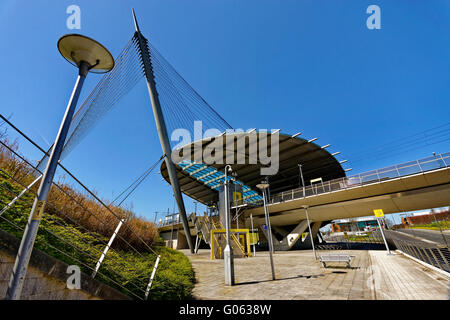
123,268
360,238
444,225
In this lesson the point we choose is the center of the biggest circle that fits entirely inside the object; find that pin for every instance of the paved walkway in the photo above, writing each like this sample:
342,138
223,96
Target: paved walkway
374,275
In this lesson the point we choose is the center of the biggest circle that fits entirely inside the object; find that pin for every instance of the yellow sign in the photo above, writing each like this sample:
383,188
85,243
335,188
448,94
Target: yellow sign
378,213
38,210
237,198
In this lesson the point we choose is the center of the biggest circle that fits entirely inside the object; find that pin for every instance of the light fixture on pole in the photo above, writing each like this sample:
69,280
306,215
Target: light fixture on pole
228,251
87,55
263,186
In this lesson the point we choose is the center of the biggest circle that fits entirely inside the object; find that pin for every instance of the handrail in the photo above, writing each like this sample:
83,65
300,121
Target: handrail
434,162
236,240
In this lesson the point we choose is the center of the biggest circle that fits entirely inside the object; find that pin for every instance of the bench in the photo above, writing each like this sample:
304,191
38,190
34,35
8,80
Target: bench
335,257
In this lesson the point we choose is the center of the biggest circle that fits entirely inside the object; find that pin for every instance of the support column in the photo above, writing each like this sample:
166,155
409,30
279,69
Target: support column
162,130
37,210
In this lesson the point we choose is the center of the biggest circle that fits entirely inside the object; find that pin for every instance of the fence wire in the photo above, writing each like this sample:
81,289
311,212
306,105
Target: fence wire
181,104
66,230
112,87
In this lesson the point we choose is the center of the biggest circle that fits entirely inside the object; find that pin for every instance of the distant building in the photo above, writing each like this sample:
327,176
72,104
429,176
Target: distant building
426,217
355,224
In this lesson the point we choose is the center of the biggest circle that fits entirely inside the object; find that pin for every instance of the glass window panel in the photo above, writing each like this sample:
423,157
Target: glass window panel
388,174
352,181
412,168
369,178
309,191
298,194
431,163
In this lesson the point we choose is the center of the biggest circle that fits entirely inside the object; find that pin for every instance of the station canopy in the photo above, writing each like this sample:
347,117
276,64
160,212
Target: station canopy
200,165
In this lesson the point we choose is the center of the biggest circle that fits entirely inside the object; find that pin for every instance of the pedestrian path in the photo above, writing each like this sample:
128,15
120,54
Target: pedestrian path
373,275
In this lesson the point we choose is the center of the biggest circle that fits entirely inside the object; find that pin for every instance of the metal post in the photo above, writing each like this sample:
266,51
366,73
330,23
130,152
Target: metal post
253,233
196,244
162,130
443,162
269,233
20,195
29,236
228,251
107,248
310,233
171,230
384,238
439,226
149,286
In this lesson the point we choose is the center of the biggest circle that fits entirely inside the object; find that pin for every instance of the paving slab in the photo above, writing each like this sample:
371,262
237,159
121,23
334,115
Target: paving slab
373,275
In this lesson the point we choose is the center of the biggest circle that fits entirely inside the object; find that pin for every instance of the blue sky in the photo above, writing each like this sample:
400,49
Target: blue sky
310,66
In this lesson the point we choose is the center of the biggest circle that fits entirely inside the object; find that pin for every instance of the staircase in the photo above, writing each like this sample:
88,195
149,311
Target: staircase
204,225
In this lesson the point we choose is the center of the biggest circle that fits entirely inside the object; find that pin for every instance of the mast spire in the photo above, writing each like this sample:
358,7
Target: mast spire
162,129
136,26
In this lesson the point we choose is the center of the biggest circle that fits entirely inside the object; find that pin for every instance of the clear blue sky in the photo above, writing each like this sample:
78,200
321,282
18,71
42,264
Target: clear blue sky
310,66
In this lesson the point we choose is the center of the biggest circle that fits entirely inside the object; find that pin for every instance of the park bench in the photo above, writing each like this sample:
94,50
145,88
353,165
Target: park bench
335,257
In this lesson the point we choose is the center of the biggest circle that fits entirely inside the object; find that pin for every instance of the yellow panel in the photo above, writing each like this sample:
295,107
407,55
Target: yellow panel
378,213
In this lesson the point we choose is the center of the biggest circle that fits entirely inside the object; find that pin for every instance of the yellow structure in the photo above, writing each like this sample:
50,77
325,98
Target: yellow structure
378,213
240,241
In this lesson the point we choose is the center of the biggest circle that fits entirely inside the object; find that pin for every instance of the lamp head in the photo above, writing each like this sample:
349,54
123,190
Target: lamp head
263,185
77,49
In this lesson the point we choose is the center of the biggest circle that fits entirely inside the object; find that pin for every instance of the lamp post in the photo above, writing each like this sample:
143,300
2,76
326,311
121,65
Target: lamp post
234,175
439,226
86,54
301,176
263,186
253,233
384,238
228,251
310,233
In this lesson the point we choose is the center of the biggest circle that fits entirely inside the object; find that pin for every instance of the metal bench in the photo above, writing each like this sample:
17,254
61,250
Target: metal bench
335,257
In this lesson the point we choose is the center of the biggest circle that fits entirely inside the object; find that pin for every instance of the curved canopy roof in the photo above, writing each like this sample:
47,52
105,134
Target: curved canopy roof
199,178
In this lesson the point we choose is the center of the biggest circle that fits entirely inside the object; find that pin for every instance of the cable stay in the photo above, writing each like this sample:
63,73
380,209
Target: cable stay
133,186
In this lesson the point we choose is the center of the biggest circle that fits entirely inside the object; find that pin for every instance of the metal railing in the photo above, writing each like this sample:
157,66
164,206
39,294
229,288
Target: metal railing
435,255
437,161
76,225
373,236
170,219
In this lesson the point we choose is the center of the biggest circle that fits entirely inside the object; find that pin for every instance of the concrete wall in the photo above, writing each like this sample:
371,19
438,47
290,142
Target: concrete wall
178,240
46,277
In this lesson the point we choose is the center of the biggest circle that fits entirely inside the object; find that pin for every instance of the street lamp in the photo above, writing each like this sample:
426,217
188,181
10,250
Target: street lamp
301,176
228,251
235,202
86,54
263,186
253,235
310,233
